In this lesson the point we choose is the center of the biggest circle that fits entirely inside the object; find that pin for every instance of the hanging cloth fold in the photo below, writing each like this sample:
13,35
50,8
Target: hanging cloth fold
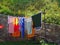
16,25
10,24
37,20
16,28
28,27
21,23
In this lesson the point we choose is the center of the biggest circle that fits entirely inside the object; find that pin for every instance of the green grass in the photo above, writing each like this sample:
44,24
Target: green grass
25,43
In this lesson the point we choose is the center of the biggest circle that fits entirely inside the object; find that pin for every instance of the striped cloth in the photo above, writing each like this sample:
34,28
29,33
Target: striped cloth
22,28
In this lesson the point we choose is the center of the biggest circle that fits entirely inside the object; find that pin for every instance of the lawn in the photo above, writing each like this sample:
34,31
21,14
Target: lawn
25,43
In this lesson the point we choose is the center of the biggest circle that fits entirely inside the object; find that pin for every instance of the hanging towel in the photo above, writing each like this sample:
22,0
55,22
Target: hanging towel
10,19
10,24
16,34
36,20
28,25
21,23
16,28
11,28
16,25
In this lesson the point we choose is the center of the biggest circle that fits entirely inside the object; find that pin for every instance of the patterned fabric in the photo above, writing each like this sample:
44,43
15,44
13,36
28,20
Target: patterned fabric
21,23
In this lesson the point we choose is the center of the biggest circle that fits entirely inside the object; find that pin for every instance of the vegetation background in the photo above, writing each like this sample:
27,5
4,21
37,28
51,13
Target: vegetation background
50,8
31,7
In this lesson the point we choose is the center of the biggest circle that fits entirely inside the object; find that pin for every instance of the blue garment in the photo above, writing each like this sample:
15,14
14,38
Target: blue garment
22,28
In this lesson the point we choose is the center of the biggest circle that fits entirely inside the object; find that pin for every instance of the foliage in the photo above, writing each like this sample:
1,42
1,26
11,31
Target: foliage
52,13
31,7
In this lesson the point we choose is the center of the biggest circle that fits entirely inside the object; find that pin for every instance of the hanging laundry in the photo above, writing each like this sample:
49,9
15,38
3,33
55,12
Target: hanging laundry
16,25
10,19
16,34
21,23
16,28
31,35
36,20
10,24
28,27
11,28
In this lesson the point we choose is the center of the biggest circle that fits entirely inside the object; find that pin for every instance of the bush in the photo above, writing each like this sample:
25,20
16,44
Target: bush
5,10
55,19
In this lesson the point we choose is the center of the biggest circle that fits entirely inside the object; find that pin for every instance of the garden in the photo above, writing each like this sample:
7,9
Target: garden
50,10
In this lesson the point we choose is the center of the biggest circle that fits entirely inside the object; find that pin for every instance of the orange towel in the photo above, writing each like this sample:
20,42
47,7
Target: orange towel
31,35
16,34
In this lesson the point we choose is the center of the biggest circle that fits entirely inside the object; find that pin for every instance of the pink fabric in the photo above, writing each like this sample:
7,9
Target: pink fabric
11,28
10,24
10,19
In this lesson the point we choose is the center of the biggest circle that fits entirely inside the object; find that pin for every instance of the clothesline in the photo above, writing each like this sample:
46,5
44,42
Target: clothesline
18,25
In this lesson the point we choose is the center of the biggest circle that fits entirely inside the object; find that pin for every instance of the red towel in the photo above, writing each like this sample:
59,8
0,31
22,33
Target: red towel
16,28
